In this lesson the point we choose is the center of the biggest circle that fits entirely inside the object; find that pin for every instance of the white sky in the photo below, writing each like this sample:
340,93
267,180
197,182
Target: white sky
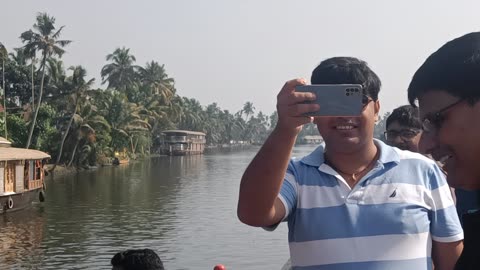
231,52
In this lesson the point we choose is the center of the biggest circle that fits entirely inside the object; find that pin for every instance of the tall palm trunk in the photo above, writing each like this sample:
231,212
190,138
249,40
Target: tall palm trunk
131,144
4,99
33,84
60,152
73,153
34,120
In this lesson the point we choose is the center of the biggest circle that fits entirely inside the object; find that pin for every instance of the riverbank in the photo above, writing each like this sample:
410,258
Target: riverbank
211,149
59,170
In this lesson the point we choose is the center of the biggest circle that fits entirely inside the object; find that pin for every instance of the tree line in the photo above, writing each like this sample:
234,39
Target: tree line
54,108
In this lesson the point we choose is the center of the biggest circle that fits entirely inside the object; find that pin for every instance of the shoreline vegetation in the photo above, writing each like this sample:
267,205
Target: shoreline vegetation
52,106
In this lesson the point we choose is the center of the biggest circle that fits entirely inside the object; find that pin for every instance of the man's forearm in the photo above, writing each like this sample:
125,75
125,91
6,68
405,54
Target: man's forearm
445,255
263,178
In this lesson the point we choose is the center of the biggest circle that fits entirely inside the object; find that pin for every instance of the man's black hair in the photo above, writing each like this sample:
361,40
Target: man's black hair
454,68
347,70
406,115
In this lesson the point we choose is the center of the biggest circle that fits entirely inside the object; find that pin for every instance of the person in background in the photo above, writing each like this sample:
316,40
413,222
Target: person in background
404,130
137,259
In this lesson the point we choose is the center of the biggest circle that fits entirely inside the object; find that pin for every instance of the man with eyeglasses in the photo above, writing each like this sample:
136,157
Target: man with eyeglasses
447,90
354,202
403,128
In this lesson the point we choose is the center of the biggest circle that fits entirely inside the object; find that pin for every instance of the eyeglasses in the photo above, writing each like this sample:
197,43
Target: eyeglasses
433,122
405,134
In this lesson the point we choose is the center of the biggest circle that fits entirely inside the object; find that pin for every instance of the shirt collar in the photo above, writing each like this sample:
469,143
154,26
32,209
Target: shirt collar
387,155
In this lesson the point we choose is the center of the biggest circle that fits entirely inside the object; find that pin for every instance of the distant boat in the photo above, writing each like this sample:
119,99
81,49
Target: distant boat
183,142
21,176
117,161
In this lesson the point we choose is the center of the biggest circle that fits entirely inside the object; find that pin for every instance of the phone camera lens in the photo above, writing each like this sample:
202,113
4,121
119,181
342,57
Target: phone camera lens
347,94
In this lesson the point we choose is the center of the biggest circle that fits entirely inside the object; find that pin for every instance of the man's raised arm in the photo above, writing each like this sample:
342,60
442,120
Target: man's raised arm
258,203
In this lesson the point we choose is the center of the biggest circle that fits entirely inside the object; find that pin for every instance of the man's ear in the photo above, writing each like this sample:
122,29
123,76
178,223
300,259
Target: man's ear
376,109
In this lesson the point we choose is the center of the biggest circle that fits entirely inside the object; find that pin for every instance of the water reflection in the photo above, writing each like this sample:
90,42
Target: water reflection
182,207
21,235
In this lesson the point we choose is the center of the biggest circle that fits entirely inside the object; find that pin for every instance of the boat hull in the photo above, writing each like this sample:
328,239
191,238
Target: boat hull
20,200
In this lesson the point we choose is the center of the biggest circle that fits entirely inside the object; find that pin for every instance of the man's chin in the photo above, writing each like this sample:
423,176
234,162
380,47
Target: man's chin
345,144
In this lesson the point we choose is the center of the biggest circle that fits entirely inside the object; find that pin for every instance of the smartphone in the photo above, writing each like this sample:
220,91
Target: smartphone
335,99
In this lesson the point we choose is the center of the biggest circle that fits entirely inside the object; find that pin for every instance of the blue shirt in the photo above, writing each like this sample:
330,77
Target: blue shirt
386,221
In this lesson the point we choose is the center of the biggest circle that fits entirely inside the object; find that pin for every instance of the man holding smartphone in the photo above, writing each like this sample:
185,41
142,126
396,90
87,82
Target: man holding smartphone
355,202
447,88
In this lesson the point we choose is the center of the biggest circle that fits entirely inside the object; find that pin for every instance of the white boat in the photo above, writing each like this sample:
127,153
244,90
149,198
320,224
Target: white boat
21,176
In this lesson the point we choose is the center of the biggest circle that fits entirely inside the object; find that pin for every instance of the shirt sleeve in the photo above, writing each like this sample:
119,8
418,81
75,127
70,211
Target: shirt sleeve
287,195
444,222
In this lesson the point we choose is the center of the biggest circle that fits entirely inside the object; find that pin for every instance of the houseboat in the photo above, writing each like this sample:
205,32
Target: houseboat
21,176
183,142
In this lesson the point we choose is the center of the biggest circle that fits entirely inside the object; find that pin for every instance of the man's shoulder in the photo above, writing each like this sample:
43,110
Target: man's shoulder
411,168
412,158
313,159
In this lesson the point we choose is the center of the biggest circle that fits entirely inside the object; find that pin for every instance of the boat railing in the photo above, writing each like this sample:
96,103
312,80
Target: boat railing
175,139
181,139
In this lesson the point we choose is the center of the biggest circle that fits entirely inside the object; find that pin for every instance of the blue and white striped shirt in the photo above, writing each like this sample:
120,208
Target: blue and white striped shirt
387,221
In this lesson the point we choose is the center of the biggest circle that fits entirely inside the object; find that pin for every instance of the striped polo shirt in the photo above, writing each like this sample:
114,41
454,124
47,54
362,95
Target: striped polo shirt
387,221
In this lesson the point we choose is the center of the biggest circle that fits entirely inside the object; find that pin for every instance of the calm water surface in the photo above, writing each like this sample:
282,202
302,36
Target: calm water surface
184,208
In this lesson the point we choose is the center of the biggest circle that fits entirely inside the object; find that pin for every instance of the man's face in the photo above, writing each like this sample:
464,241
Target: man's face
349,134
455,136
403,137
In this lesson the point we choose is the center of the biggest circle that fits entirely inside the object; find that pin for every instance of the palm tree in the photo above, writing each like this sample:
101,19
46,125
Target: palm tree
127,119
121,72
156,79
45,40
191,115
174,110
248,109
85,125
80,87
273,119
20,57
131,124
232,126
56,73
3,57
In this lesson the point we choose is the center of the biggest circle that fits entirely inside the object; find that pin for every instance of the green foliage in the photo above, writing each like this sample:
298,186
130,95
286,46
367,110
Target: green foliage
46,133
18,131
91,124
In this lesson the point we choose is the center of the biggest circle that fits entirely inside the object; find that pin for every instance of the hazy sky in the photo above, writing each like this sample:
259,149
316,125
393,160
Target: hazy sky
231,52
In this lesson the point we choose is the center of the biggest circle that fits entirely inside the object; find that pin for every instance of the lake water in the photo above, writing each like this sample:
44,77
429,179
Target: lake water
184,208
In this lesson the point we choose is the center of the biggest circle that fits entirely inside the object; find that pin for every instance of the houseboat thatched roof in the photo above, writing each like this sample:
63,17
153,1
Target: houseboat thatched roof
4,142
12,153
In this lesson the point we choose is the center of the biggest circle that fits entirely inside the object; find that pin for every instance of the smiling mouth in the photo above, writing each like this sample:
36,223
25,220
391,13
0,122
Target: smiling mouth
345,127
